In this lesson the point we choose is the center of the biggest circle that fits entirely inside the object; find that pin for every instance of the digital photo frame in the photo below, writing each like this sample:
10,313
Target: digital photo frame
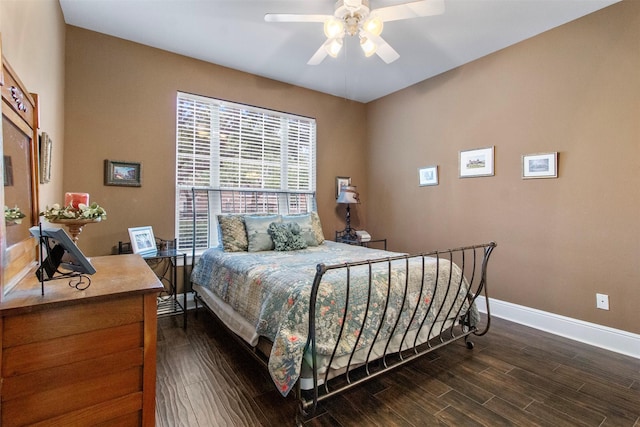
64,253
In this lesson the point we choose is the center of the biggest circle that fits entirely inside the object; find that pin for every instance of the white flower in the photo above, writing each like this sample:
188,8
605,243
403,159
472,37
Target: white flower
69,212
13,215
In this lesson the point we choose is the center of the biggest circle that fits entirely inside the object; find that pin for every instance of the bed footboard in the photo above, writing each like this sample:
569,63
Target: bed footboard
412,305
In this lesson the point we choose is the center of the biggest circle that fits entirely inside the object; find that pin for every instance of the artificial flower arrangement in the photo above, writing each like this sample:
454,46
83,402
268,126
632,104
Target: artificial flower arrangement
93,211
13,215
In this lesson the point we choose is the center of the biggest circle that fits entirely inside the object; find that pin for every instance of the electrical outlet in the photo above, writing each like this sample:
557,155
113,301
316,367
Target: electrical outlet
602,301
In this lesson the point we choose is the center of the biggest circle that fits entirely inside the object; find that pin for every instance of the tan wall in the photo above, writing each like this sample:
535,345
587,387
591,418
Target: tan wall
33,35
575,90
120,105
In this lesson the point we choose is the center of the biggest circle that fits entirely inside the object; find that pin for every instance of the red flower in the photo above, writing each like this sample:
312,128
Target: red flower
284,387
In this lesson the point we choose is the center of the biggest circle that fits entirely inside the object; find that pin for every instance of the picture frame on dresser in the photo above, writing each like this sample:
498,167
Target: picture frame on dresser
74,260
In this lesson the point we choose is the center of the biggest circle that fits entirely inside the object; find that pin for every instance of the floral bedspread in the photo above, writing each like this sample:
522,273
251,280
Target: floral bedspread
271,290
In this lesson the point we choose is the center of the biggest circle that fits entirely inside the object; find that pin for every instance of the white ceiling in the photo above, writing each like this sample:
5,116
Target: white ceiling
233,33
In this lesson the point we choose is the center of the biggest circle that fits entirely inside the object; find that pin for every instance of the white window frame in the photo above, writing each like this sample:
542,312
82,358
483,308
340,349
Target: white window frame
199,158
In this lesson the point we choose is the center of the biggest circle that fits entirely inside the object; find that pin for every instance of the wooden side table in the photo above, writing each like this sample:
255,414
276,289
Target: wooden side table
374,242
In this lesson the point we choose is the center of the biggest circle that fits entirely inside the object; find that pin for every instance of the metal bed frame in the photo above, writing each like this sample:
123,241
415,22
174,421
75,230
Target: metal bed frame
472,261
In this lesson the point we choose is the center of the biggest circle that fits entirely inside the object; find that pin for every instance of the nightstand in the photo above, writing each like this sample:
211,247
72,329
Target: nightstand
382,242
165,264
342,237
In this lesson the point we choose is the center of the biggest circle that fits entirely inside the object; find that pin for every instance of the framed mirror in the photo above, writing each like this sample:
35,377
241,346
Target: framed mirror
20,177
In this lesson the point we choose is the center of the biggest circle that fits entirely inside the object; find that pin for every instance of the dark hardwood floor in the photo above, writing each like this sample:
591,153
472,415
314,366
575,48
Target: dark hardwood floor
514,376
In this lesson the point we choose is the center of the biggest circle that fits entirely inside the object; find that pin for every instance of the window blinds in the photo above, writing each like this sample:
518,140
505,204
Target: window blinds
227,145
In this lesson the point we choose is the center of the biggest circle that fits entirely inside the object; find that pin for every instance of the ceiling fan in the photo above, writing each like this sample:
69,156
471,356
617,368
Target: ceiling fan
354,17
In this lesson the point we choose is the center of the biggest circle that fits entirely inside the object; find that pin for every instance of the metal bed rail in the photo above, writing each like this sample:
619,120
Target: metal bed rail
471,285
205,203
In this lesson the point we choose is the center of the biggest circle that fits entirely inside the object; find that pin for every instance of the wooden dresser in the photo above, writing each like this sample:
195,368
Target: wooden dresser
77,358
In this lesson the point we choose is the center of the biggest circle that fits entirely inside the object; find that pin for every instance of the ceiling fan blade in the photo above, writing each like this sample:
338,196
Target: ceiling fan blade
414,9
290,17
320,54
384,49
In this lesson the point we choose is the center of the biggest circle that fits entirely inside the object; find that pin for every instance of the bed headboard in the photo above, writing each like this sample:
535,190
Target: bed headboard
207,203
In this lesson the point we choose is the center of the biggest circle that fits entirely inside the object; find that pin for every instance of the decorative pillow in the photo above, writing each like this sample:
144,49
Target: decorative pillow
286,236
257,234
233,234
306,227
317,227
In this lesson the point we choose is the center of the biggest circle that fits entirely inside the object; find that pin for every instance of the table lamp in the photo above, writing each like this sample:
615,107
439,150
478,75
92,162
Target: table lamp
349,195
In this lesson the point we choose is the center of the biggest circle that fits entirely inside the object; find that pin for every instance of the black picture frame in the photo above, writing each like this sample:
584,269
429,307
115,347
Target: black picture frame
124,174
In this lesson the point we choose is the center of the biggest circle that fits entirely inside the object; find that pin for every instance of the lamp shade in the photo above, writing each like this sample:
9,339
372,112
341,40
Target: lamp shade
333,47
348,194
368,47
333,28
373,25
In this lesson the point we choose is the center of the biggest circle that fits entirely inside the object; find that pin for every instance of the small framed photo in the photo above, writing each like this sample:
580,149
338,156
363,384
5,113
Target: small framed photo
428,176
542,165
128,174
142,241
478,162
341,181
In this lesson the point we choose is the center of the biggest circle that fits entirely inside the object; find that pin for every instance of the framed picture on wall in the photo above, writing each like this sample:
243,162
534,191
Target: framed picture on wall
45,158
127,174
428,176
478,162
542,165
341,181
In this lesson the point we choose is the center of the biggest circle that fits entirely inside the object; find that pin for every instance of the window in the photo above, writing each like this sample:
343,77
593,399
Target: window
221,144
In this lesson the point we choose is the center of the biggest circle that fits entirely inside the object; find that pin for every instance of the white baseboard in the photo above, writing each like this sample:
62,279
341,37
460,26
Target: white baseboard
589,333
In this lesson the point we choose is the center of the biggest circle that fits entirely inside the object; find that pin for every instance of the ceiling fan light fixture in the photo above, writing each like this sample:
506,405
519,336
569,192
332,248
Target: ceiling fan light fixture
355,17
333,28
373,25
333,48
368,47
